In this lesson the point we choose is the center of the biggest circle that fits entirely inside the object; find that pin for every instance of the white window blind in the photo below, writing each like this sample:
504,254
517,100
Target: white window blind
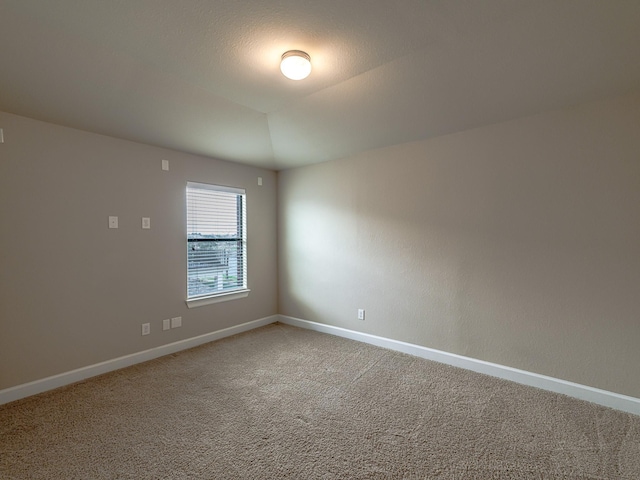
216,240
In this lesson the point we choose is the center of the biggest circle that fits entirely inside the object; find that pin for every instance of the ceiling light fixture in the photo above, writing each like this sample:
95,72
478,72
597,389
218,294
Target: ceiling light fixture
295,64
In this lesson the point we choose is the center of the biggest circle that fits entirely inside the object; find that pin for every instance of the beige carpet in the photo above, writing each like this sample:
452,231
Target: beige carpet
281,402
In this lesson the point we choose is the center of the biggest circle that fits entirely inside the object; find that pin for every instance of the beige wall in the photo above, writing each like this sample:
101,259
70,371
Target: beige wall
517,243
73,292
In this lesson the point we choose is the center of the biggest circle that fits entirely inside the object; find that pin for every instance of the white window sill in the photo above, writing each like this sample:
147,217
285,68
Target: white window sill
221,297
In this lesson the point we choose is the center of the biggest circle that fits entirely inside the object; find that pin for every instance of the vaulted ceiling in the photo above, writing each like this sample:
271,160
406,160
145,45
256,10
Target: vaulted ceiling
202,76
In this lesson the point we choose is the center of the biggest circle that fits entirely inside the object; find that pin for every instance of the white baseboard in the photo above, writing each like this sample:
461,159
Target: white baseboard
582,392
49,383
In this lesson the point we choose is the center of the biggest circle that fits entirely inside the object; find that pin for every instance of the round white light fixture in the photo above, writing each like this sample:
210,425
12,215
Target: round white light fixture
295,64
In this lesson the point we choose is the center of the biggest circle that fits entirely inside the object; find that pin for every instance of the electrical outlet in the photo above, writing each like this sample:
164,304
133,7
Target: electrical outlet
146,328
165,165
146,223
176,322
166,324
361,314
113,222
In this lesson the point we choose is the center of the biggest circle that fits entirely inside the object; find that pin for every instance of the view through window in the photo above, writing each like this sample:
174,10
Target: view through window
216,240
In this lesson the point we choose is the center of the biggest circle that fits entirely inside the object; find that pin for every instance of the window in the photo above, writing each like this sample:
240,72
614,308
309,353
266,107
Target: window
216,242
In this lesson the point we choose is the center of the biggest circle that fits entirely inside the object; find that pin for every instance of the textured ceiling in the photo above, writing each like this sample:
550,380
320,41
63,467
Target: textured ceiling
202,76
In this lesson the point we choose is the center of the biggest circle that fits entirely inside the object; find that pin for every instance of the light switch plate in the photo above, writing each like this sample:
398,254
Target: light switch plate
166,324
146,223
176,322
259,181
113,222
165,165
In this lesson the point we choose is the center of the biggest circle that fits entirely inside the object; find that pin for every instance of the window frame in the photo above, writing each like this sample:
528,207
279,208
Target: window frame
228,294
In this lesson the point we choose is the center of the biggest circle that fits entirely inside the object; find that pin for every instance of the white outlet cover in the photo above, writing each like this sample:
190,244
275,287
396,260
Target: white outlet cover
146,328
146,223
113,222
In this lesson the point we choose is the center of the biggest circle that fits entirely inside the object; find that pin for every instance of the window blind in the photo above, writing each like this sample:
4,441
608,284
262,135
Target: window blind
216,240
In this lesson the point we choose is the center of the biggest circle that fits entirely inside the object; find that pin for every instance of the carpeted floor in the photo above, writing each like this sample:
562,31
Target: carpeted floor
281,402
